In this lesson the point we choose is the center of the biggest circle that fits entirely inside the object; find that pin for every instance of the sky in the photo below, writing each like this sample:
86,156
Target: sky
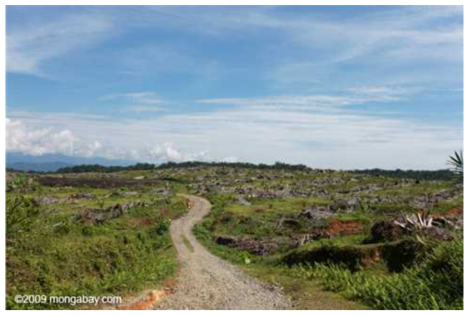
343,87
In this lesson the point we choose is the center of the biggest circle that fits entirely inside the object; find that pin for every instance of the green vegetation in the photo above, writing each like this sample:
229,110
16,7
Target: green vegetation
411,174
322,242
456,161
331,239
239,165
189,164
99,168
63,241
187,243
437,283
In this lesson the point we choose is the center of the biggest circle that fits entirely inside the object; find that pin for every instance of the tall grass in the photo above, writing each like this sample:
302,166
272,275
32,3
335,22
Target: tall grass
51,252
437,283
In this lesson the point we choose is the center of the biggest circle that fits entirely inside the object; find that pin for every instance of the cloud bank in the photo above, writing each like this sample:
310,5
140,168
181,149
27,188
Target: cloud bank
318,130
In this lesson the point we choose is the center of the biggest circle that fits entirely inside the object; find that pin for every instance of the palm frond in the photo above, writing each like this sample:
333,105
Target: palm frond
456,161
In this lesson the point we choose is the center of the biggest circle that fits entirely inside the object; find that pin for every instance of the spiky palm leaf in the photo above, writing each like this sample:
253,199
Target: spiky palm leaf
457,161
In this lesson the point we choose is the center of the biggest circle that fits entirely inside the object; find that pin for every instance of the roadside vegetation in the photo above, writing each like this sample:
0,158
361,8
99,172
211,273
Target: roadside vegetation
84,240
435,283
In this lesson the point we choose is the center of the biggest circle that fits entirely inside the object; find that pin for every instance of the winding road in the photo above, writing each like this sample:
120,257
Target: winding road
208,282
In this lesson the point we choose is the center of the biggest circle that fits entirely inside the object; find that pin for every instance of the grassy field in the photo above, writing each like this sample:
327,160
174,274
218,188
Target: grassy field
331,239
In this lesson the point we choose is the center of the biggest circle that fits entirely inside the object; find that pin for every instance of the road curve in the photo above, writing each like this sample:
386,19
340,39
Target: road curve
208,282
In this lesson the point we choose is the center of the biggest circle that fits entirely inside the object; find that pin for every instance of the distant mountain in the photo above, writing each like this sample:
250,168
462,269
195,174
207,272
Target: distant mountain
52,162
40,166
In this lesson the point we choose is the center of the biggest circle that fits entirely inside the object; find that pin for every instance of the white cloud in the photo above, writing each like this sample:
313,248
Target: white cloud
91,149
143,108
383,93
29,46
321,131
355,95
38,141
171,153
375,45
294,102
147,101
168,152
365,33
146,97
393,37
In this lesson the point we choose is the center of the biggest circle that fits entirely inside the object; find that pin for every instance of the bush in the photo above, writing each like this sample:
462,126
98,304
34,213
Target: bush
383,231
162,226
352,257
446,265
437,283
402,254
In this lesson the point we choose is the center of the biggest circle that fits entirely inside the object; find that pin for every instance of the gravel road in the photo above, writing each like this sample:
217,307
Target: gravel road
208,282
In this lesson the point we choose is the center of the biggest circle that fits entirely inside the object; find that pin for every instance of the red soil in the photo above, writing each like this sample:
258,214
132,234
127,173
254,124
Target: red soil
337,227
456,211
148,301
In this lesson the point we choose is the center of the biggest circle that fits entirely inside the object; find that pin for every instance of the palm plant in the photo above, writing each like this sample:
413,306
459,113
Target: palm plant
456,162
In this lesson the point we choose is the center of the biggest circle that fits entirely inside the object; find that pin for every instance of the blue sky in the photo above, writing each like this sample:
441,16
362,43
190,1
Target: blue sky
339,87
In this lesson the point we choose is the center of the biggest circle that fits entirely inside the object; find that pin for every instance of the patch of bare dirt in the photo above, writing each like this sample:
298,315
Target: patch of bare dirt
337,227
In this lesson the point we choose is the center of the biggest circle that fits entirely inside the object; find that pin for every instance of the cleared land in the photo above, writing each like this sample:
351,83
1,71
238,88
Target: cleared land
326,239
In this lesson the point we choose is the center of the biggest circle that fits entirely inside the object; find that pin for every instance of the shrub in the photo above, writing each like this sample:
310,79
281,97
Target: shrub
162,226
403,254
383,231
352,257
437,283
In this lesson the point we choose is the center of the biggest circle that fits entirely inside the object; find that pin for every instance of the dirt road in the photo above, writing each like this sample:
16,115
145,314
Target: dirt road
208,282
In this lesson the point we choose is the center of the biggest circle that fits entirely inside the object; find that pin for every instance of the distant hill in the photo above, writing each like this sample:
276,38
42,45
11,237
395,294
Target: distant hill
40,166
52,162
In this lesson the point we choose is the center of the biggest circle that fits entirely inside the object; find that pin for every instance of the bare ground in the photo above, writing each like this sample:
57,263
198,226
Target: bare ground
208,282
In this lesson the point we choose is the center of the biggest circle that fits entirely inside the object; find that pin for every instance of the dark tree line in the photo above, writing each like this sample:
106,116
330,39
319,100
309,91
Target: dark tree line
100,168
189,164
276,166
444,174
398,173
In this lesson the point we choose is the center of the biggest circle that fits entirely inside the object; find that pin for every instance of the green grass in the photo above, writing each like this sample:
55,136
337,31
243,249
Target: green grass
50,251
284,206
187,243
437,283
342,241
